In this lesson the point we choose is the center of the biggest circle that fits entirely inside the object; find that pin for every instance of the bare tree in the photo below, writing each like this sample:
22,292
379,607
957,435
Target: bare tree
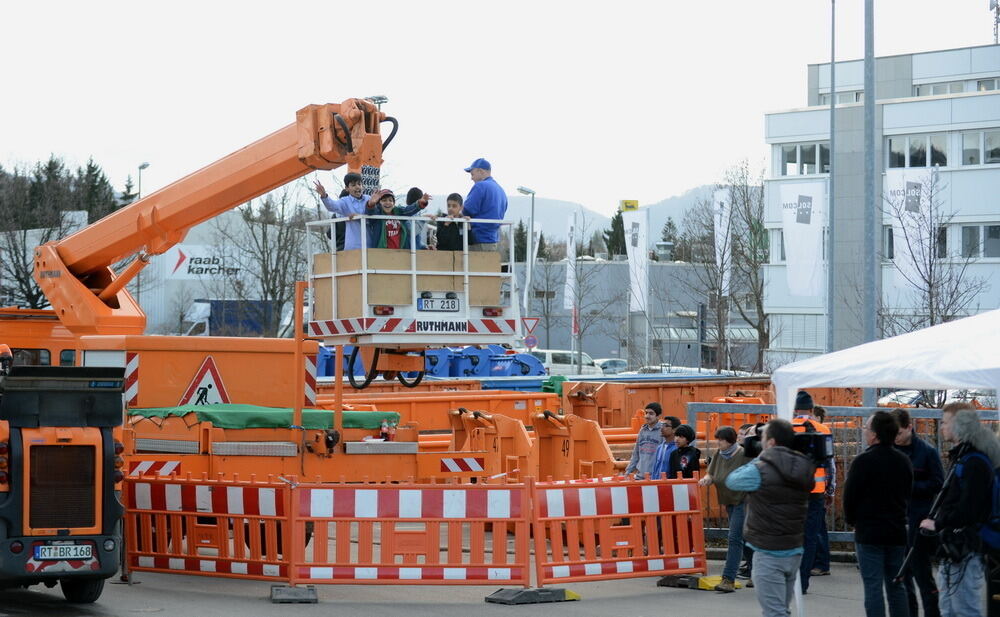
699,235
750,251
592,297
936,276
267,246
545,298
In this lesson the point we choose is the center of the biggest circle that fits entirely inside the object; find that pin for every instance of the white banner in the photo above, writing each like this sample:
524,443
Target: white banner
803,216
569,293
722,214
909,211
194,262
637,248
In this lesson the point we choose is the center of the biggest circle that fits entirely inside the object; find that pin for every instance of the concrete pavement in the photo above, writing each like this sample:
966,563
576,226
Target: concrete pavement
838,595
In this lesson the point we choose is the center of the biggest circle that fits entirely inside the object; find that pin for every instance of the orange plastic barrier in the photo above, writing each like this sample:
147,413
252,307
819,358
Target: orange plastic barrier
413,534
617,528
207,527
614,403
446,534
429,410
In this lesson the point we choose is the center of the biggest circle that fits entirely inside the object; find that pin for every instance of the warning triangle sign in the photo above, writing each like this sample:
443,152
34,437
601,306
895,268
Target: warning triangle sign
206,388
530,323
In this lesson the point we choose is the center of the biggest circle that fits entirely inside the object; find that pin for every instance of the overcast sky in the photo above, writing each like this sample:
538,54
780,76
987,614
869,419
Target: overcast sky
588,102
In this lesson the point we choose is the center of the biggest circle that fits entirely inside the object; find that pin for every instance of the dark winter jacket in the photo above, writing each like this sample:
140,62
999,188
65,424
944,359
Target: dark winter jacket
928,477
778,484
966,502
684,461
876,494
449,236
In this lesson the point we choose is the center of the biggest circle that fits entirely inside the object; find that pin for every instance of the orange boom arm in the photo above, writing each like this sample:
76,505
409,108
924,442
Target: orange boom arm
75,273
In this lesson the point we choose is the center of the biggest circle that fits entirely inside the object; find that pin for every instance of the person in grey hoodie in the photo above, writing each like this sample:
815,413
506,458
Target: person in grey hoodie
646,443
777,484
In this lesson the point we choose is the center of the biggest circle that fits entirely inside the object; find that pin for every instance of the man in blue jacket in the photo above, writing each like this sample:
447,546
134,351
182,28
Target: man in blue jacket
486,200
928,478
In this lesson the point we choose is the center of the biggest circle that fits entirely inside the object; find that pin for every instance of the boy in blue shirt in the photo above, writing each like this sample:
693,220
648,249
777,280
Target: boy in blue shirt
351,205
661,464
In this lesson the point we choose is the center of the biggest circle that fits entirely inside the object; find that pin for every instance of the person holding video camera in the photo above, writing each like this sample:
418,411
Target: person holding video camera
778,484
964,508
805,421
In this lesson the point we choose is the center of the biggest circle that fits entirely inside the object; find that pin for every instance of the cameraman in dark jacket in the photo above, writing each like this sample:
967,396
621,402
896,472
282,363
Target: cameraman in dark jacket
877,489
777,484
965,507
928,477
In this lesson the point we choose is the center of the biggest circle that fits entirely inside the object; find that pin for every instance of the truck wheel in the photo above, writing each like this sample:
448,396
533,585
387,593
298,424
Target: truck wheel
82,590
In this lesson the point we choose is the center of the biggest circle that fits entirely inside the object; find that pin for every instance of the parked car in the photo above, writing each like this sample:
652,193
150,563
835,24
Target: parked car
612,366
563,362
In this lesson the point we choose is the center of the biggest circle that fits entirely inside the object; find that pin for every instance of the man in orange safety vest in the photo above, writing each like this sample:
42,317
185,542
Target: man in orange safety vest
823,491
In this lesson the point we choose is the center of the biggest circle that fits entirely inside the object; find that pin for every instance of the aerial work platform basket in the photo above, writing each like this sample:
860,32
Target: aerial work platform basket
410,298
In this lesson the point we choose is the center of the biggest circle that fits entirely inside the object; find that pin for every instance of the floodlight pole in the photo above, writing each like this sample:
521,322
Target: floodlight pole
871,263
831,202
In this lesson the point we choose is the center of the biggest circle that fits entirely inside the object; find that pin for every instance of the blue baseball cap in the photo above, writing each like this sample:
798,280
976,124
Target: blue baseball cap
479,164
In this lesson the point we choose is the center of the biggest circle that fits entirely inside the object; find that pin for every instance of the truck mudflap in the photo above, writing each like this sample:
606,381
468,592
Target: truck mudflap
36,559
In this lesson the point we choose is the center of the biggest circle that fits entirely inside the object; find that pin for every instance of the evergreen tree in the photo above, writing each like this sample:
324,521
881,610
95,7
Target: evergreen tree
614,238
669,232
93,192
543,249
520,242
127,195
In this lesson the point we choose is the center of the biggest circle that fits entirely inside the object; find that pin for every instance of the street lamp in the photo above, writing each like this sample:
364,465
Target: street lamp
138,193
378,99
529,260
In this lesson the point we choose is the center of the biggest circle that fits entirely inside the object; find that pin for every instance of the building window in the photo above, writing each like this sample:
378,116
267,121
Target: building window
991,147
800,159
918,152
789,161
953,87
970,241
980,147
970,148
986,85
887,247
777,246
912,150
991,246
808,152
942,242
897,152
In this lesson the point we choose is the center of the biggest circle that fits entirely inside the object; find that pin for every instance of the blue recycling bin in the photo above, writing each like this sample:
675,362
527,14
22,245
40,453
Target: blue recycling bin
438,362
472,362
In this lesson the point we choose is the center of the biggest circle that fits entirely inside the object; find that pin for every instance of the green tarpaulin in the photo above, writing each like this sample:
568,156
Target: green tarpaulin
252,416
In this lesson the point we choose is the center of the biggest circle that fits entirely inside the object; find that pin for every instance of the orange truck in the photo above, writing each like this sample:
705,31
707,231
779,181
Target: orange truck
61,470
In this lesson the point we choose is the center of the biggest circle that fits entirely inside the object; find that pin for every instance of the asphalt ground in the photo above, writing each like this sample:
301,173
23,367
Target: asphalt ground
837,595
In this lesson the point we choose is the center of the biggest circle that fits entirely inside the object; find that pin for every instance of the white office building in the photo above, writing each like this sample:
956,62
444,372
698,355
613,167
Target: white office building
937,124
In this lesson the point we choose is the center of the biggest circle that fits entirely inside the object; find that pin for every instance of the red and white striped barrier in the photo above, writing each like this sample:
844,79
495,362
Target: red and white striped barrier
131,379
189,565
401,503
456,465
615,500
417,573
310,377
153,468
398,325
219,499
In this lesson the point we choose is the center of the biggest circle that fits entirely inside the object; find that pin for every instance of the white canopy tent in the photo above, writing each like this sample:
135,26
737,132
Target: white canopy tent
964,353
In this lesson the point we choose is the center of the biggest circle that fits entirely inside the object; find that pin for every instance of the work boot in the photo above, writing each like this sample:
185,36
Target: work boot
726,586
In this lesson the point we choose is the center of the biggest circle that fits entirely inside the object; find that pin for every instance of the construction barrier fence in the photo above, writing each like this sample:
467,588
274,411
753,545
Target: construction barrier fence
450,534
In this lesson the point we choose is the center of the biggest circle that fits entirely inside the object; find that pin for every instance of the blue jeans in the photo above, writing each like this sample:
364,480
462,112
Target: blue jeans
822,561
737,514
960,587
879,565
815,518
